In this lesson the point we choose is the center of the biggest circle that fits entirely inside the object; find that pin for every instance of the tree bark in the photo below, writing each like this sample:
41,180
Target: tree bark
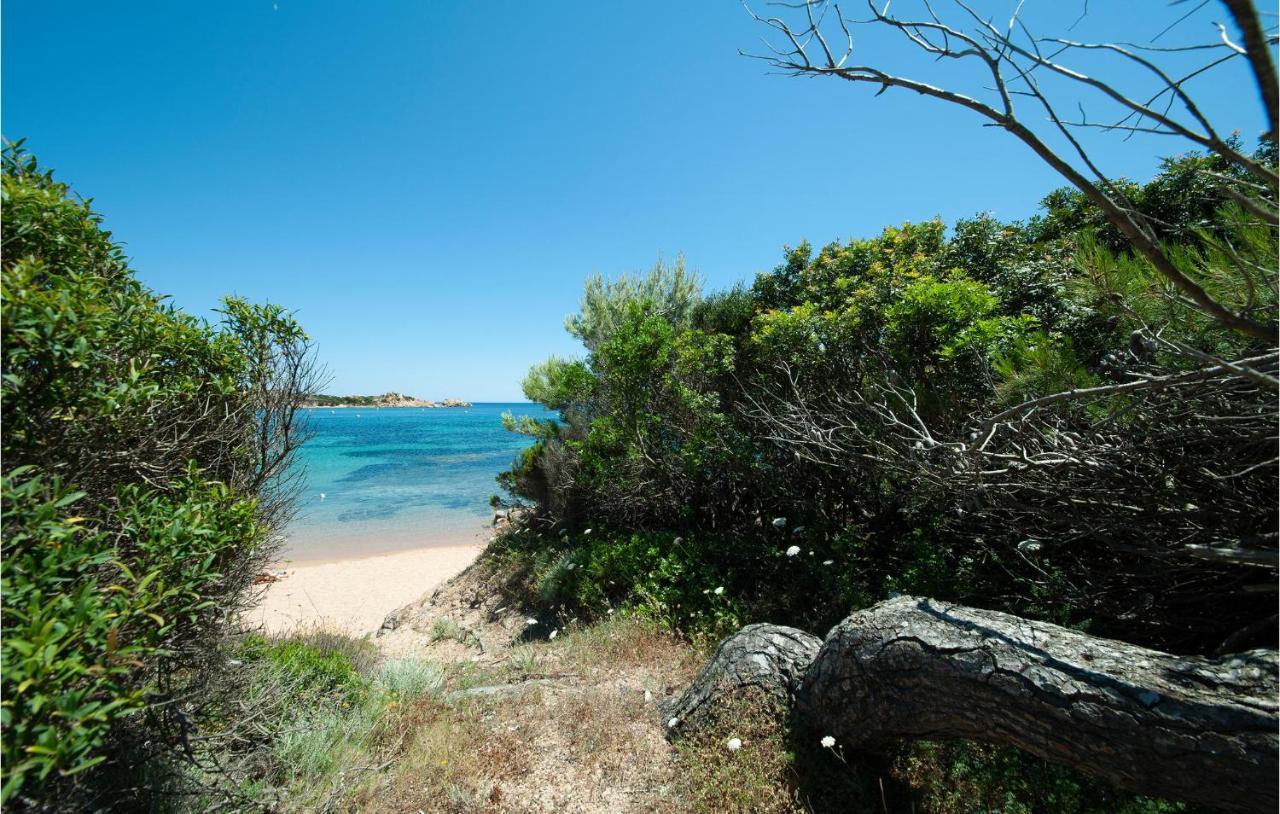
1202,730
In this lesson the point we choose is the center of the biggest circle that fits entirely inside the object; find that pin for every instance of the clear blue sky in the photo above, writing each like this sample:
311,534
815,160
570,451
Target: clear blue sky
428,183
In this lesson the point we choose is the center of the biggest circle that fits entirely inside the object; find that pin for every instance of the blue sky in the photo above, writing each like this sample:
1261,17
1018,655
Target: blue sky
428,183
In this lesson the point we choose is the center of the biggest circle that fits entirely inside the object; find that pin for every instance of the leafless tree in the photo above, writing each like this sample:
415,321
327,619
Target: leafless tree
1018,68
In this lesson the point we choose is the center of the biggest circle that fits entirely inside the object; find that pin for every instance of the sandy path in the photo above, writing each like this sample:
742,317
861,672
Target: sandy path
355,595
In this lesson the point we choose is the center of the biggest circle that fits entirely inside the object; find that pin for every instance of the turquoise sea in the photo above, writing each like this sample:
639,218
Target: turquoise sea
380,480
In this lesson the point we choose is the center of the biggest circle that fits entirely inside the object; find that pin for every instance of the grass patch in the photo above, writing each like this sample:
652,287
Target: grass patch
757,777
408,679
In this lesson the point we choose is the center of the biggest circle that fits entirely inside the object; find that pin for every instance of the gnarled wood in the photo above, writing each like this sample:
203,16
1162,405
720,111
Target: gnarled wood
1198,729
767,658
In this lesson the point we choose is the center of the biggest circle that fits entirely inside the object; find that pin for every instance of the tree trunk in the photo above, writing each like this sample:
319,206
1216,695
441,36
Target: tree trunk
1197,729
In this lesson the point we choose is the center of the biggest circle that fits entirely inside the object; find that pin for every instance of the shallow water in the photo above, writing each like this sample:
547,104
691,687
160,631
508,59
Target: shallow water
397,478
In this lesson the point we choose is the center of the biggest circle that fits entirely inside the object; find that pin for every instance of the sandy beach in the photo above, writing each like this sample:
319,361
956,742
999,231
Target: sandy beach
355,595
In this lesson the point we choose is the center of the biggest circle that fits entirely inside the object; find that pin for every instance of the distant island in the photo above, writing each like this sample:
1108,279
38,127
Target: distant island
384,400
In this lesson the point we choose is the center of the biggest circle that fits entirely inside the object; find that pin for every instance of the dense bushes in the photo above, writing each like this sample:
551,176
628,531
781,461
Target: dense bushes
1017,416
868,402
146,467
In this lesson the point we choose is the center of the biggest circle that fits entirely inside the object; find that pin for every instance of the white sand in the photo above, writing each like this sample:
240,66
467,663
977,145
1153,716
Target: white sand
355,595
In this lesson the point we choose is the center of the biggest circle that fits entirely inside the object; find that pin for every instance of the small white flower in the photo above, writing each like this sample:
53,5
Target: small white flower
1029,546
828,562
779,522
554,633
794,550
798,530
828,741
570,566
678,540
734,744
588,531
719,590
609,611
673,723
648,696
531,621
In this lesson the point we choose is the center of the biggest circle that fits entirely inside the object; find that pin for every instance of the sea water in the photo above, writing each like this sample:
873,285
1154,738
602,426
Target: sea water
381,480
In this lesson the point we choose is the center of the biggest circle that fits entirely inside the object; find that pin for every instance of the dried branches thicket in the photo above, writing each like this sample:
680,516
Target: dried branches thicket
1151,497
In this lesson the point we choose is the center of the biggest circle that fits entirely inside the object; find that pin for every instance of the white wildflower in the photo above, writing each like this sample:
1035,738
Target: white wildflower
673,723
1029,546
828,562
554,634
734,744
779,522
678,540
531,621
719,590
794,550
588,531
648,696
570,566
798,530
828,741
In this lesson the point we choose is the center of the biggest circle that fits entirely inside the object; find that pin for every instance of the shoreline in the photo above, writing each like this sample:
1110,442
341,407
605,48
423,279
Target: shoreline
312,546
353,595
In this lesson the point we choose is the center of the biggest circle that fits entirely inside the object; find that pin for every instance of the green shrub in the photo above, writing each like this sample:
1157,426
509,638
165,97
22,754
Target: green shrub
819,440
145,470
407,679
837,391
314,665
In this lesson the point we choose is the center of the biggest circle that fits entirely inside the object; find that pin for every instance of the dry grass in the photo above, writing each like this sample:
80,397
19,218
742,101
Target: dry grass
757,778
564,725
621,643
507,723
587,739
452,759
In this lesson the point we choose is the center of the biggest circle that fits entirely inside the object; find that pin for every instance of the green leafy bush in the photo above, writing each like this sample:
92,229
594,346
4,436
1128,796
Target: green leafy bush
146,466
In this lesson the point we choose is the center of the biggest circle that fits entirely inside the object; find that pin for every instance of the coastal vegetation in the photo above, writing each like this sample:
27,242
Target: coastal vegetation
826,409
954,517
148,465
1066,422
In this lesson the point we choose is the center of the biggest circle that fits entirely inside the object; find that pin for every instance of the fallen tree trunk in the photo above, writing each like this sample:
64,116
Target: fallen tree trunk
1197,729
